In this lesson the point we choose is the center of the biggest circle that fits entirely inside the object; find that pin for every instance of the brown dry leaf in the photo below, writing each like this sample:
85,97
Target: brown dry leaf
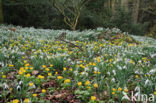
35,72
63,95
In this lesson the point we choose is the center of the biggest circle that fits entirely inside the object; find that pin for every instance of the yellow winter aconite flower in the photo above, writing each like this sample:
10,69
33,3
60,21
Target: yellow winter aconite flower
34,95
11,65
51,65
27,75
43,66
4,76
95,85
89,87
49,74
136,76
79,83
119,89
93,98
26,100
26,68
25,61
126,90
64,69
26,65
113,89
40,77
43,91
47,69
31,84
70,69
59,77
15,101
87,82
113,93
31,68
67,81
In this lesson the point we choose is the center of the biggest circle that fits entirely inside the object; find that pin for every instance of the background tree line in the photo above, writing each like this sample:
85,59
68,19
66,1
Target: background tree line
134,16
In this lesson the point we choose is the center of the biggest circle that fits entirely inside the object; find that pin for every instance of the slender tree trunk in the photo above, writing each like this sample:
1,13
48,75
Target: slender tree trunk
1,12
124,4
135,14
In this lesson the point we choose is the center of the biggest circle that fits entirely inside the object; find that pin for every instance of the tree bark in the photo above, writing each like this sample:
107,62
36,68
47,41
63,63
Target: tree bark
1,12
136,4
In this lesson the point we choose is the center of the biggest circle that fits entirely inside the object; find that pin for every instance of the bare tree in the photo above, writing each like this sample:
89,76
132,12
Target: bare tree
1,12
136,10
70,9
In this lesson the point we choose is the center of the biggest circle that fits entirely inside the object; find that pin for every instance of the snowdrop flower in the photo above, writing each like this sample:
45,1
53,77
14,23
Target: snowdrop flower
114,72
152,71
153,55
108,73
6,87
20,83
147,82
96,69
86,69
18,88
113,80
119,67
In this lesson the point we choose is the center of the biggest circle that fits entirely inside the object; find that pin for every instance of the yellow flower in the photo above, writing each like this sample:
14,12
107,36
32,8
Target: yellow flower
79,83
70,69
114,89
26,68
4,76
49,74
155,93
126,90
11,89
40,77
47,69
28,75
95,85
56,72
26,100
113,93
34,95
20,72
94,64
31,84
43,66
67,81
89,87
15,101
87,82
31,68
119,89
11,65
26,65
43,91
136,76
51,65
93,98
59,77
98,59
64,69
25,61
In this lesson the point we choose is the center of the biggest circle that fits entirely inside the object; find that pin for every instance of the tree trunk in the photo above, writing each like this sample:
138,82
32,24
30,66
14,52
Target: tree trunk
124,4
1,12
136,4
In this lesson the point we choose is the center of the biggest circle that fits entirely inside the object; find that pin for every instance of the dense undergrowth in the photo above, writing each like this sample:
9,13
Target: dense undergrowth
35,67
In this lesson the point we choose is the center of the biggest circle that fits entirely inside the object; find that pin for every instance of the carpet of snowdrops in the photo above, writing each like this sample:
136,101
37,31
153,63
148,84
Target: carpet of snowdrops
35,67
